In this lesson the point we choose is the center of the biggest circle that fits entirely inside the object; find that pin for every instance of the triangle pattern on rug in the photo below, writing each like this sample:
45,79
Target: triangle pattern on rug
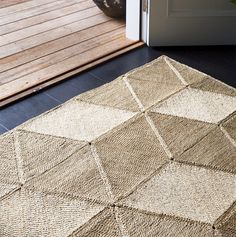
215,151
114,94
151,154
226,225
190,75
185,191
152,92
8,164
199,105
102,225
79,120
6,189
157,71
213,85
180,133
41,214
230,127
140,223
40,152
124,154
77,176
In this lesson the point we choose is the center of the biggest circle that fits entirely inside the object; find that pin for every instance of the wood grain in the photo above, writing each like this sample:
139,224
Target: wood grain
16,16
43,42
101,36
44,17
85,9
54,34
56,45
23,6
4,3
67,75
56,69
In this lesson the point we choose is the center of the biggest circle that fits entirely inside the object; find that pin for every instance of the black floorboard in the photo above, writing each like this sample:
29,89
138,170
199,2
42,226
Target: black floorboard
75,86
217,61
19,112
3,129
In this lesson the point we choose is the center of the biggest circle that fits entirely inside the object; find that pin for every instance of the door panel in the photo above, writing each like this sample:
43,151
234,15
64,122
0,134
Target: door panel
191,22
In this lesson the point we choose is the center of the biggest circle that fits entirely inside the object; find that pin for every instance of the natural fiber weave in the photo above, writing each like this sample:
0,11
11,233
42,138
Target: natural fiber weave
152,153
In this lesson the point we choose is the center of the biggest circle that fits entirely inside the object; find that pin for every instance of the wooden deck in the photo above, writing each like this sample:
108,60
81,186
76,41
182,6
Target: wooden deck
45,41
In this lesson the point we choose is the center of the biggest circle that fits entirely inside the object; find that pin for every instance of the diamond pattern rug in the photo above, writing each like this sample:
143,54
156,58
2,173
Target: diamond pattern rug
152,153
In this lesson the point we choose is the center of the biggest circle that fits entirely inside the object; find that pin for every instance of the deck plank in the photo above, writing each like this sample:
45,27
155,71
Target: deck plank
86,9
43,42
48,36
54,70
38,19
23,6
67,75
90,40
34,53
8,3
50,6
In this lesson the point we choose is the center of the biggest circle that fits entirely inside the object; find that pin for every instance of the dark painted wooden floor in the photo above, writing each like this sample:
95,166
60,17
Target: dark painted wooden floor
219,62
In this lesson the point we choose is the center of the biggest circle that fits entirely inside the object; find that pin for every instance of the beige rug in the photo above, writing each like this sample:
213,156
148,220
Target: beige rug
152,153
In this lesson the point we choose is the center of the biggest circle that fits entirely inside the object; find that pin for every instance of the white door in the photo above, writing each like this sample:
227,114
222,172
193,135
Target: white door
188,22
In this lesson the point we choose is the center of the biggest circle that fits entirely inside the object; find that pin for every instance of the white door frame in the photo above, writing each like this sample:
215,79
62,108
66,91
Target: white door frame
133,19
137,20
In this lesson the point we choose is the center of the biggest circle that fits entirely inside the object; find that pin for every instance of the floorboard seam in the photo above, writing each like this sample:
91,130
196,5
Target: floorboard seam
1,125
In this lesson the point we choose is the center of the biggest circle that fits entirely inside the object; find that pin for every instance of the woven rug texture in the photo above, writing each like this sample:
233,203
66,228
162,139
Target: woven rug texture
153,153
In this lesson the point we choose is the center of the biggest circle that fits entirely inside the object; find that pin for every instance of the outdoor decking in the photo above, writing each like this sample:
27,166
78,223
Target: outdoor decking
45,41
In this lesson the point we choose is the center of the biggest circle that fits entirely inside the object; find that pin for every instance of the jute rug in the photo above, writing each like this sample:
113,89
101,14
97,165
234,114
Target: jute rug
152,153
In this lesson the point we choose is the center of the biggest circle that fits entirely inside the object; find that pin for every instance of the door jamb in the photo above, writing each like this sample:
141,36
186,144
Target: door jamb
133,19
